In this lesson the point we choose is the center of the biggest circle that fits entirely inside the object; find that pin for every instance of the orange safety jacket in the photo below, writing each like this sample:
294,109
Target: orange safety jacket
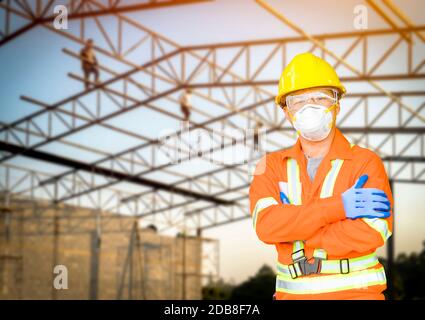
314,222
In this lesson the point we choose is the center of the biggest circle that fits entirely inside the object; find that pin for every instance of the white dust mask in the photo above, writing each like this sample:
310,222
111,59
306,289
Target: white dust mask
313,122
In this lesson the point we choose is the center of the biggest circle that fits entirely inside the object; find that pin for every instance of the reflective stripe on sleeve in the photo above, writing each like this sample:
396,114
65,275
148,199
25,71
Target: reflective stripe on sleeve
260,205
380,225
331,283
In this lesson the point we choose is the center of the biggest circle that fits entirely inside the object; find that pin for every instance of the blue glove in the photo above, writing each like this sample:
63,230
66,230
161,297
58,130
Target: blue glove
362,202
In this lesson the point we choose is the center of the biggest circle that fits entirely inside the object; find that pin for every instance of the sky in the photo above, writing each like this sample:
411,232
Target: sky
34,65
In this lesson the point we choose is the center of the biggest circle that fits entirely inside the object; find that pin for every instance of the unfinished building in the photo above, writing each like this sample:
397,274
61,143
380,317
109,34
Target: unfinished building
115,260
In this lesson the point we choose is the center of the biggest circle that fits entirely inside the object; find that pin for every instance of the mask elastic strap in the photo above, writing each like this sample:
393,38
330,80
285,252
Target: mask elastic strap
331,107
328,110
293,118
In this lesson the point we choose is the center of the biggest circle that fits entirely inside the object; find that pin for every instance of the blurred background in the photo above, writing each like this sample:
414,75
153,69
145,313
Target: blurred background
129,130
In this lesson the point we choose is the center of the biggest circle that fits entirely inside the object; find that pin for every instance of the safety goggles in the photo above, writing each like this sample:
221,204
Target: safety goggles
296,101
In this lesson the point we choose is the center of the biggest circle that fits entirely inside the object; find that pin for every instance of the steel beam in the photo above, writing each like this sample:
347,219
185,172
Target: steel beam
79,165
82,13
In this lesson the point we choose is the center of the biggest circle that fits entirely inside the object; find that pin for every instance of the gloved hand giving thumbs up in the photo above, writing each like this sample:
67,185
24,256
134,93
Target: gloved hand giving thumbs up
362,202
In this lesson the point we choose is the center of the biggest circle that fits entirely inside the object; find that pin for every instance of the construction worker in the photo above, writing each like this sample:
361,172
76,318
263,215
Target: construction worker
324,203
185,104
89,63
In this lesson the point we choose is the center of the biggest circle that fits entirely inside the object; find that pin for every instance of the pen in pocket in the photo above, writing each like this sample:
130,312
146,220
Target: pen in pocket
284,198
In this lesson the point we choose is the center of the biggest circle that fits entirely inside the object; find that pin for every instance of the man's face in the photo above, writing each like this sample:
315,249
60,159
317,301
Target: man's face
90,44
318,96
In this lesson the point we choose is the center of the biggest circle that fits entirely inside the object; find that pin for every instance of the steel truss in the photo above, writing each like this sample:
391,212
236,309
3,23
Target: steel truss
236,83
39,12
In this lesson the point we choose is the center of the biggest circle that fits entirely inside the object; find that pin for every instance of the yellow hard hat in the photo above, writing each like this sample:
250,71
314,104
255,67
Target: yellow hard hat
307,71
